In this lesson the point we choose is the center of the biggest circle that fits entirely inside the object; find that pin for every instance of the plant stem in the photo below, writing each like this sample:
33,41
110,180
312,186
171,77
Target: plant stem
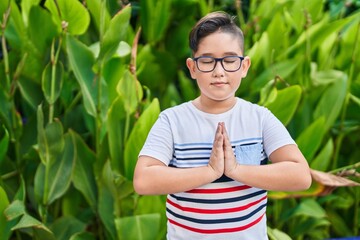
4,48
9,175
352,166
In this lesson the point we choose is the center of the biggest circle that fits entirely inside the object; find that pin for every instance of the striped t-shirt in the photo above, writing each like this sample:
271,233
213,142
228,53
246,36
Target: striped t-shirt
183,136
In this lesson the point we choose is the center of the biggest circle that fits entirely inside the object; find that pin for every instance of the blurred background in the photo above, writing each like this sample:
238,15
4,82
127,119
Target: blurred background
82,82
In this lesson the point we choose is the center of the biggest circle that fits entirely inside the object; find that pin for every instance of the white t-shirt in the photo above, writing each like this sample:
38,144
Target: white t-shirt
183,136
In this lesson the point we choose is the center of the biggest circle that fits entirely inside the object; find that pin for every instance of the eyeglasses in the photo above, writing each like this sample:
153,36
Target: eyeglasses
208,64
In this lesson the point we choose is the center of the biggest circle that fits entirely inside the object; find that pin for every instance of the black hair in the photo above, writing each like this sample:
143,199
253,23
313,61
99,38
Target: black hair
213,22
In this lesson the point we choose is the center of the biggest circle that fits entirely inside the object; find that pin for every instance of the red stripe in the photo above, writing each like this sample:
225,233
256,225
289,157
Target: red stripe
219,190
221,230
215,211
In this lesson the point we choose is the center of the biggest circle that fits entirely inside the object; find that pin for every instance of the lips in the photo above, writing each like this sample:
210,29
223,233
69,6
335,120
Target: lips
219,83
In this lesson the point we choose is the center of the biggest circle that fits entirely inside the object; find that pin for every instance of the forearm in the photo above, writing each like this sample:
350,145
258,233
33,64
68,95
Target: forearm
282,176
157,179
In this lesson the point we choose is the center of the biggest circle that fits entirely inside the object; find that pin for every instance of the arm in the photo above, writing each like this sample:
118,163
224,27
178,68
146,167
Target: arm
153,177
289,170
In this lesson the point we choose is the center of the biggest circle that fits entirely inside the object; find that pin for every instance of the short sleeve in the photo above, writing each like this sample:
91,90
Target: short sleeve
159,142
275,135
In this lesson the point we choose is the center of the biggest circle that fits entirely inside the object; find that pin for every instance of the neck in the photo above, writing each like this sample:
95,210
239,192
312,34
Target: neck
214,106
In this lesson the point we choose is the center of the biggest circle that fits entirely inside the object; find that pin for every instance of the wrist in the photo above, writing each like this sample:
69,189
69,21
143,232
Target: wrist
232,172
214,175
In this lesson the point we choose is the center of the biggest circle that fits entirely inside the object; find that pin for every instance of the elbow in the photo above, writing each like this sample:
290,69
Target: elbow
139,186
305,182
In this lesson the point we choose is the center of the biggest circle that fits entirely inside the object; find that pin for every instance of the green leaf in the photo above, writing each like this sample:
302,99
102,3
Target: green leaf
130,91
52,181
15,210
81,61
42,36
276,234
30,91
27,221
115,32
285,103
50,139
138,136
26,7
139,227
332,101
310,139
83,236
155,16
323,159
319,32
52,81
282,69
188,88
309,208
4,143
5,226
95,8
83,173
65,227
107,196
116,122
72,13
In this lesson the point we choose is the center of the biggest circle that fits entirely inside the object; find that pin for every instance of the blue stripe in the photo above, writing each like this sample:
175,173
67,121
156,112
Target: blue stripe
217,201
236,142
189,149
216,221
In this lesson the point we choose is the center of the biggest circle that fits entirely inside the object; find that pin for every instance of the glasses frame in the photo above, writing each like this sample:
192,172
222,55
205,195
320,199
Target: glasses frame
216,61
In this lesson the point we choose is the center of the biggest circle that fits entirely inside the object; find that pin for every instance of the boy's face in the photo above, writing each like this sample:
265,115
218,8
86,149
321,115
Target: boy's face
218,85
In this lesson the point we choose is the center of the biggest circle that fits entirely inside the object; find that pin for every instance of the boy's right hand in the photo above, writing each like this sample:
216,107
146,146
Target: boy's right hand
216,162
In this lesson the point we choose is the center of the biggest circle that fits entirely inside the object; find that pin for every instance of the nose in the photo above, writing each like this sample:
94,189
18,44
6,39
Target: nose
218,70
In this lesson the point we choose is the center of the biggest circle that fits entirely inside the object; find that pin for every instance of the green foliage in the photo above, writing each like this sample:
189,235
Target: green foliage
79,93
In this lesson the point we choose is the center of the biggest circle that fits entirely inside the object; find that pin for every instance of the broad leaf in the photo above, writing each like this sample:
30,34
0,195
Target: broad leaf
83,172
4,143
332,100
155,16
81,61
139,227
323,159
285,103
138,136
116,122
310,139
130,91
5,225
116,32
72,13
65,227
107,196
42,36
52,181
52,79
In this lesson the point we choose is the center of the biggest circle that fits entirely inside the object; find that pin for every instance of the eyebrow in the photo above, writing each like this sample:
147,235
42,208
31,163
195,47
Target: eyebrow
225,54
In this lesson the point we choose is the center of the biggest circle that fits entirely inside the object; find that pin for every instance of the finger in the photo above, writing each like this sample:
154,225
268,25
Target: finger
218,142
227,143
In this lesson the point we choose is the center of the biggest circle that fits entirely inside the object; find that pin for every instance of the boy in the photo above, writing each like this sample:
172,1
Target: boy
209,155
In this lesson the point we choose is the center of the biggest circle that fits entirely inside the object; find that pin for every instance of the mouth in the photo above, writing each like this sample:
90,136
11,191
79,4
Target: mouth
219,84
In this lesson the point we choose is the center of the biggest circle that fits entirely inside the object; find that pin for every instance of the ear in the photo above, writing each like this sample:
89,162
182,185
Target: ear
245,65
191,66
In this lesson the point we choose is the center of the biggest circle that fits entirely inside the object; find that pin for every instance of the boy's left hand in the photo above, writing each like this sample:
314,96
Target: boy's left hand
229,157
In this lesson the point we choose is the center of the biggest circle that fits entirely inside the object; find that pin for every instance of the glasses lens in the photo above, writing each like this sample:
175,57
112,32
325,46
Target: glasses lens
206,64
231,63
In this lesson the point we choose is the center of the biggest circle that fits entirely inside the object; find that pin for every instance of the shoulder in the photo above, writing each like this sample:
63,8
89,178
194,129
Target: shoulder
183,108
249,107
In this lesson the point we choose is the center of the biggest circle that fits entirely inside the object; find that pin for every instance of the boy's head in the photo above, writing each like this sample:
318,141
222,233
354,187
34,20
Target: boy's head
213,22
